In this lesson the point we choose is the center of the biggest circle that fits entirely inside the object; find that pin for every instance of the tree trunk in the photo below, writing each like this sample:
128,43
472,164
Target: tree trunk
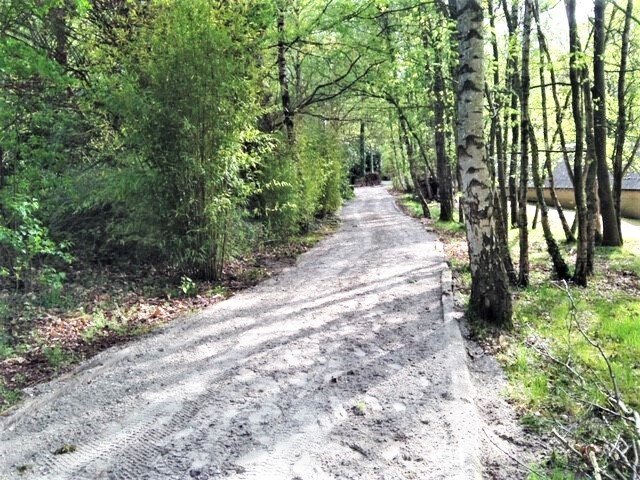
283,78
568,233
413,168
525,84
621,120
559,265
591,168
443,166
362,150
500,152
57,17
490,298
515,89
497,128
408,181
554,91
610,232
545,128
445,186
581,271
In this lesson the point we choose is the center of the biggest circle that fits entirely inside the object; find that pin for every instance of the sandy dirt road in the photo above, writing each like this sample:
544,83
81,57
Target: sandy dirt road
340,367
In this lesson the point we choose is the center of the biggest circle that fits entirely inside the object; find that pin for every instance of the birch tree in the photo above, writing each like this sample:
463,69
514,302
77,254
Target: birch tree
490,299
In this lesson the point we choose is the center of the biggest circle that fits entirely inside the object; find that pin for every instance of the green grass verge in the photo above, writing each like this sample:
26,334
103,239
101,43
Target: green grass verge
557,377
546,338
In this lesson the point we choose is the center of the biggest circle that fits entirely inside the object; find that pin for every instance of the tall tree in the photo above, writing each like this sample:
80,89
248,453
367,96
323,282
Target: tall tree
283,75
611,236
559,265
525,83
490,298
432,36
621,120
544,63
575,77
513,85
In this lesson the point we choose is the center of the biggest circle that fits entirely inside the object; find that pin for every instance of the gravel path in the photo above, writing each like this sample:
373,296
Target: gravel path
343,366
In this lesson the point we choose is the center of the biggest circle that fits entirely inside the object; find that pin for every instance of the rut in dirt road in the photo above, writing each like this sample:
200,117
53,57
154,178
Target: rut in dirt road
340,367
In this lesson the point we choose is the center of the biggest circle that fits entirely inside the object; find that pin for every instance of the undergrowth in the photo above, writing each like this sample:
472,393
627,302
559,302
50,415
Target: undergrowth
96,311
559,380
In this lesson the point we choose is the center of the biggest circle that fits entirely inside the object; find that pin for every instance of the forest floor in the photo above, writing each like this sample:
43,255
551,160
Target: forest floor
48,331
348,365
557,379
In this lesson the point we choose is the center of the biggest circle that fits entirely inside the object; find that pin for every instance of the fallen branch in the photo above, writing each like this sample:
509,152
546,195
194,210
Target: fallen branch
537,473
617,460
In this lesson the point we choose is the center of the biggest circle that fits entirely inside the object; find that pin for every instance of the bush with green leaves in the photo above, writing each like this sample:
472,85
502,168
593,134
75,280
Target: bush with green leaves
298,183
188,113
26,248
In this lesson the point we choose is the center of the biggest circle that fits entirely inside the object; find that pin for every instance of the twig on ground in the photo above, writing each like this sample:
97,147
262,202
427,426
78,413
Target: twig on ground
540,475
630,418
594,464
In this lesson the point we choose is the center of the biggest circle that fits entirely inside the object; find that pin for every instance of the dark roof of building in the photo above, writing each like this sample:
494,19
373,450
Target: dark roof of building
631,180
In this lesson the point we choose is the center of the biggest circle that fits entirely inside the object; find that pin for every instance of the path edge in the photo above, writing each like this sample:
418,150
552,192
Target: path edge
462,383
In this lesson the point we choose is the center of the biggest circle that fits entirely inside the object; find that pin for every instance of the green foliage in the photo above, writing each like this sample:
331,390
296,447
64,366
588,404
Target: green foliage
558,376
25,246
188,286
412,205
611,321
189,112
8,396
298,184
57,357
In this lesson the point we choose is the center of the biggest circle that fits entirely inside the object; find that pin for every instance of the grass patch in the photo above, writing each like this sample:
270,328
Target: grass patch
411,205
557,378
546,338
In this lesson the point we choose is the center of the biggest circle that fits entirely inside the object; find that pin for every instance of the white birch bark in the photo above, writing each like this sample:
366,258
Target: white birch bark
490,297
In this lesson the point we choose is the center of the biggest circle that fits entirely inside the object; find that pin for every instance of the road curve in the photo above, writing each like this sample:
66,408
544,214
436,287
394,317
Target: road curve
340,367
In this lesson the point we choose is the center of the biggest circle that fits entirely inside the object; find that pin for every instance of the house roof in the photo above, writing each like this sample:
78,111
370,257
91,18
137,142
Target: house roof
631,181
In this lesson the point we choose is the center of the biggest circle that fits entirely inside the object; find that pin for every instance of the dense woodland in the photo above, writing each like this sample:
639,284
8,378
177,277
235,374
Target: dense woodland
185,134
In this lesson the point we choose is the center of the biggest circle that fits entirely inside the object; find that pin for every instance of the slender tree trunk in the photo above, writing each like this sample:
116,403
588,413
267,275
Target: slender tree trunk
513,165
559,265
445,186
413,168
581,271
397,163
362,150
500,152
621,120
408,181
610,231
568,233
490,298
554,92
545,129
283,78
502,243
422,151
591,188
523,263
515,89
443,166
461,217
